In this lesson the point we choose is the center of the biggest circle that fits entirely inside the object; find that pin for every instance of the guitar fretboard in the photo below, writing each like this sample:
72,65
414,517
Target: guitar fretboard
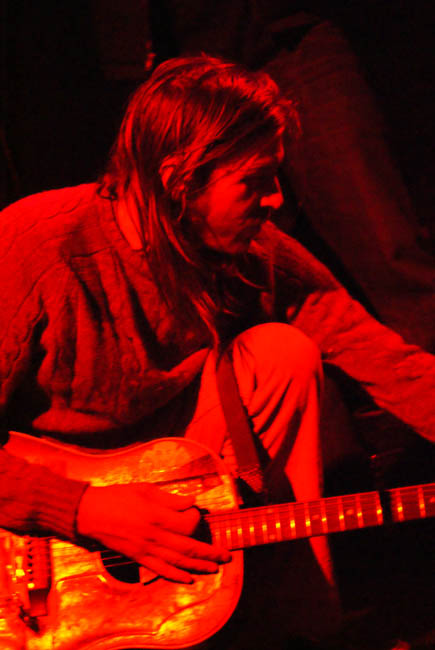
270,524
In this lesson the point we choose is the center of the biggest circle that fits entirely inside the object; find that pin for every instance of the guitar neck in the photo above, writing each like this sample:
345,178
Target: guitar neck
278,523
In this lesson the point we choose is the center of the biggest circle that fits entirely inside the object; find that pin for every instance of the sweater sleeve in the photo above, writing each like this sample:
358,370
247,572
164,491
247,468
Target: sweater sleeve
398,376
32,498
35,499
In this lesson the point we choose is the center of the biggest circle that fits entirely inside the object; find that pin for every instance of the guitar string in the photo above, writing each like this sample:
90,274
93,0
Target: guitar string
330,503
368,497
71,552
298,509
238,517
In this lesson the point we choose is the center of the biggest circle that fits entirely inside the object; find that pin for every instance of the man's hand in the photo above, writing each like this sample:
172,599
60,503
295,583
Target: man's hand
150,526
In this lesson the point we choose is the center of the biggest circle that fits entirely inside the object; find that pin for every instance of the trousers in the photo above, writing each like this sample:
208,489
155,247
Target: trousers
279,376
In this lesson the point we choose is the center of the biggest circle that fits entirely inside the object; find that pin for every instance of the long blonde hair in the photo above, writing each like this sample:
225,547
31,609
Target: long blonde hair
198,112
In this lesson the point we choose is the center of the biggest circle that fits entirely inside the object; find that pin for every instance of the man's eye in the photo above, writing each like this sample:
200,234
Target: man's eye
259,179
259,182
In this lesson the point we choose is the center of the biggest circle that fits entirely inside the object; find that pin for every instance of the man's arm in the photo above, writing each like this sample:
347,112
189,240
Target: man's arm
398,376
151,526
33,498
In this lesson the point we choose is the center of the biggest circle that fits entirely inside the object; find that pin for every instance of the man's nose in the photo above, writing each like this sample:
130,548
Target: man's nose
273,198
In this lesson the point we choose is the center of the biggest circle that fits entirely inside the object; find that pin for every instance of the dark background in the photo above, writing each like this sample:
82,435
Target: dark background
67,70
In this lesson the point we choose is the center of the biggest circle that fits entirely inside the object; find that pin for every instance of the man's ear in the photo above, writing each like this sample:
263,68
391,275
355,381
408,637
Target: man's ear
166,170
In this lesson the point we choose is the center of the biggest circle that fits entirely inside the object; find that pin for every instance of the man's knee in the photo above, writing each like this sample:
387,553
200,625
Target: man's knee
277,347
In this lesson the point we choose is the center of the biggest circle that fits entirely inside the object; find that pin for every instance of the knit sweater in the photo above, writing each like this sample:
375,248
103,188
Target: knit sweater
88,346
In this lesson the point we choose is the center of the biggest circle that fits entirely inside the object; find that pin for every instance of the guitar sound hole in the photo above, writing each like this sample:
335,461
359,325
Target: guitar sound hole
121,567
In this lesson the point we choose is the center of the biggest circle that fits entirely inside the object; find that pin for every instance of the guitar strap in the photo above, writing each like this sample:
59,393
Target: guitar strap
239,427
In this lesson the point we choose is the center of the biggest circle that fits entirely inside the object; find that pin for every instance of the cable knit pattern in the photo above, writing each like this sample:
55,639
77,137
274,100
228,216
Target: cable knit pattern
87,346
34,498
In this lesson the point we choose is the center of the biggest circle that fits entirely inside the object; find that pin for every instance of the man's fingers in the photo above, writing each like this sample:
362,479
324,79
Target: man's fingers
185,562
165,570
152,527
174,566
192,548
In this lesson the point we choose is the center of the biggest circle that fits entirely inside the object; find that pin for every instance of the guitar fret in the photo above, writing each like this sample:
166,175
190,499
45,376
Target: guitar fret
324,517
410,503
292,521
264,532
307,519
369,507
359,513
239,532
282,524
252,532
429,499
315,517
278,529
421,503
265,525
332,514
398,504
300,519
379,513
341,521
271,518
233,534
351,512
258,531
260,527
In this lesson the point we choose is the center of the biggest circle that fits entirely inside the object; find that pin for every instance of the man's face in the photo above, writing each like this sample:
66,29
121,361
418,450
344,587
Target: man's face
239,197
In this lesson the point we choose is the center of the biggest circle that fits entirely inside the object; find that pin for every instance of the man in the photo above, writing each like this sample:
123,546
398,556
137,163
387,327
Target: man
119,297
348,190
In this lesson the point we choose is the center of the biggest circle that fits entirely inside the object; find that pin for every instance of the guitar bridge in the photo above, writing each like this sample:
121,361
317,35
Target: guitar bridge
32,622
33,578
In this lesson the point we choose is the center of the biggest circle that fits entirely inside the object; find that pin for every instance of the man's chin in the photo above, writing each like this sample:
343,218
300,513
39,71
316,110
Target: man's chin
234,247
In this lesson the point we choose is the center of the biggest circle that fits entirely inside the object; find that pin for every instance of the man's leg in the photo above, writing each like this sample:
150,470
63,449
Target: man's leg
279,375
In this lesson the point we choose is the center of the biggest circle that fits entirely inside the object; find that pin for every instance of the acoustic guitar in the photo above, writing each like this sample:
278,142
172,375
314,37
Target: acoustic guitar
56,595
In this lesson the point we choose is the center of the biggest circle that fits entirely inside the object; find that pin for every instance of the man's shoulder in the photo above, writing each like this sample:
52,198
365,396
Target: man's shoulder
291,258
49,206
50,220
272,238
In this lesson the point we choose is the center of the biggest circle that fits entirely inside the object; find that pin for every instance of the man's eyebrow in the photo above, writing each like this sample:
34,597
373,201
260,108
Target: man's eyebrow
266,163
274,160
270,163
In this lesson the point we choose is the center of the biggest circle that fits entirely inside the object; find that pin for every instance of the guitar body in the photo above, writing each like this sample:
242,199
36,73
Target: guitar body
88,606
58,596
